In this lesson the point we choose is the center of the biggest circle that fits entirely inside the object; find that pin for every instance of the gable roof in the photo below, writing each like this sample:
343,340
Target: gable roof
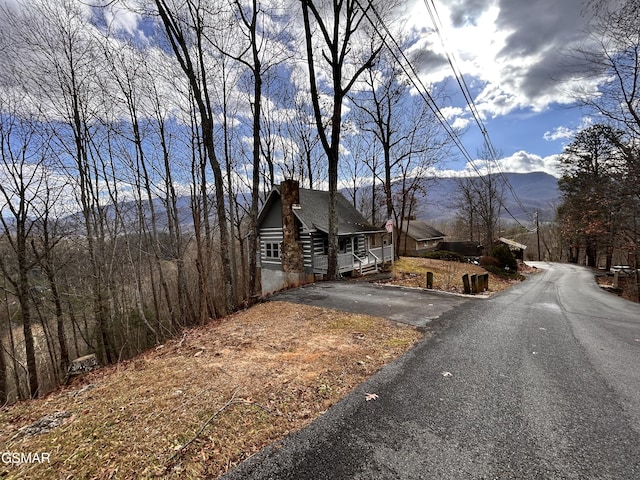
420,231
512,243
314,212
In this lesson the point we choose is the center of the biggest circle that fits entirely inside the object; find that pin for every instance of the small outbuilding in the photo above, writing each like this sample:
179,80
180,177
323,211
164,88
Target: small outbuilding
517,248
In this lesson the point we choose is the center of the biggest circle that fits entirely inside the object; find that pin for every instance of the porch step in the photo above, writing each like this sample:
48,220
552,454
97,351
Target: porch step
367,269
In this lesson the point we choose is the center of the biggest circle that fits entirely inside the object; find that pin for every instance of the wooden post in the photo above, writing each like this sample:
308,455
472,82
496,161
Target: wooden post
465,281
429,280
486,281
474,283
480,283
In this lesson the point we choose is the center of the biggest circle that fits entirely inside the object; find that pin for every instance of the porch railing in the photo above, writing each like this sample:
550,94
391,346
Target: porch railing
348,262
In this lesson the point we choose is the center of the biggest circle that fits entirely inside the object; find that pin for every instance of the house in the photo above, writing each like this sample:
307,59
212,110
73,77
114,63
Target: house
293,227
517,248
469,250
416,237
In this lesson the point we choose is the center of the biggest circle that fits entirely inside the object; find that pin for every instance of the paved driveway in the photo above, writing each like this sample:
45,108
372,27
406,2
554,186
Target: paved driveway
407,305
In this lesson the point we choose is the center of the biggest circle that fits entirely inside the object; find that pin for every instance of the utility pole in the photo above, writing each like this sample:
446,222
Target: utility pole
538,234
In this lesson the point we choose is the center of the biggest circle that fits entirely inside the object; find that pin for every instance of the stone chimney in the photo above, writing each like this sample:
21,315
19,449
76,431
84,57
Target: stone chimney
291,252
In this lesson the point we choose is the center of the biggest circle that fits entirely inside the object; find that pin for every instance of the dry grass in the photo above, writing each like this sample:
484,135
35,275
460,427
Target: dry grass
626,287
447,276
245,382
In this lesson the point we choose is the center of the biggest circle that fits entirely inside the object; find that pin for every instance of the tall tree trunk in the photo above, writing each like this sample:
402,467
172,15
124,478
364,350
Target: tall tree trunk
29,343
4,384
196,73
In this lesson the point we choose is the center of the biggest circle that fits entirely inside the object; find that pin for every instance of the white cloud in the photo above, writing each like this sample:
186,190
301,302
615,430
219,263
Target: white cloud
566,133
460,123
559,133
518,162
122,18
514,52
451,112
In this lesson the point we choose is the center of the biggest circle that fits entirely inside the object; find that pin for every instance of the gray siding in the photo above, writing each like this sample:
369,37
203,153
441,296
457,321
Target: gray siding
317,245
360,245
269,235
305,239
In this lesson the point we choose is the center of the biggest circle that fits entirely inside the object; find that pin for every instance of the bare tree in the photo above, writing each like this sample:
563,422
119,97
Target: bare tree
354,168
185,28
300,130
175,245
612,57
421,146
21,156
467,203
490,200
379,106
408,134
49,234
4,383
338,22
250,56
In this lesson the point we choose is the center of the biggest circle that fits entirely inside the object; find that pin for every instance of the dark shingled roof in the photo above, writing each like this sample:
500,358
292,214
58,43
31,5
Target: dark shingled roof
314,212
420,231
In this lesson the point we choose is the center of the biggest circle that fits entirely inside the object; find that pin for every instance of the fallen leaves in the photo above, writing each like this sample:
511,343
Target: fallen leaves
295,361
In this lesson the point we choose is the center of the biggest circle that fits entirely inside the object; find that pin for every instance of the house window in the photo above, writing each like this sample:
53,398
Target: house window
272,250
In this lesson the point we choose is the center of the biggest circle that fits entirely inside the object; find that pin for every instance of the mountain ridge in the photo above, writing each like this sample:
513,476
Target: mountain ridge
536,191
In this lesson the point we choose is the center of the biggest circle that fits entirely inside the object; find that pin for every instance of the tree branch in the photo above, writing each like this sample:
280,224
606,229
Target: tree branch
232,401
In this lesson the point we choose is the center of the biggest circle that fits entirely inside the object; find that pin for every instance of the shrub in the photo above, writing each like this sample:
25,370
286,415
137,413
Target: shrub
487,261
444,255
505,257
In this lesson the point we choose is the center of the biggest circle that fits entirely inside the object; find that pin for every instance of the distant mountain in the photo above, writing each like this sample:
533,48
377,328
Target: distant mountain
536,191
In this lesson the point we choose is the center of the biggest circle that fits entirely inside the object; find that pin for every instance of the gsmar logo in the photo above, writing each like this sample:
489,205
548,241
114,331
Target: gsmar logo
17,458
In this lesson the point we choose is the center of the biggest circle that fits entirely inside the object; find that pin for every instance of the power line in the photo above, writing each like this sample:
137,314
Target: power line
412,75
464,88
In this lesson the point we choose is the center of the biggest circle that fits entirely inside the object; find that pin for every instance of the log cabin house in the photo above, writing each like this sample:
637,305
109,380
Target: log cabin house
293,226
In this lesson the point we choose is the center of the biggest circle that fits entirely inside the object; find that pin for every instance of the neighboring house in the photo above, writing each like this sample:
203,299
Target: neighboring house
293,226
517,248
469,250
417,237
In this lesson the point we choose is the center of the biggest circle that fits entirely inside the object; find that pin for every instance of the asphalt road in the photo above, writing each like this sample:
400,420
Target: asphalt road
539,382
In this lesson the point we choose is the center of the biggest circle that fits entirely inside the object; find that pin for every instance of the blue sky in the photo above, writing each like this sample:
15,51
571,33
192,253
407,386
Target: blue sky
515,56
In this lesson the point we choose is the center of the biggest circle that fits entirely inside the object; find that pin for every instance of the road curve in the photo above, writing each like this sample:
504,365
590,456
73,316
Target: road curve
539,382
